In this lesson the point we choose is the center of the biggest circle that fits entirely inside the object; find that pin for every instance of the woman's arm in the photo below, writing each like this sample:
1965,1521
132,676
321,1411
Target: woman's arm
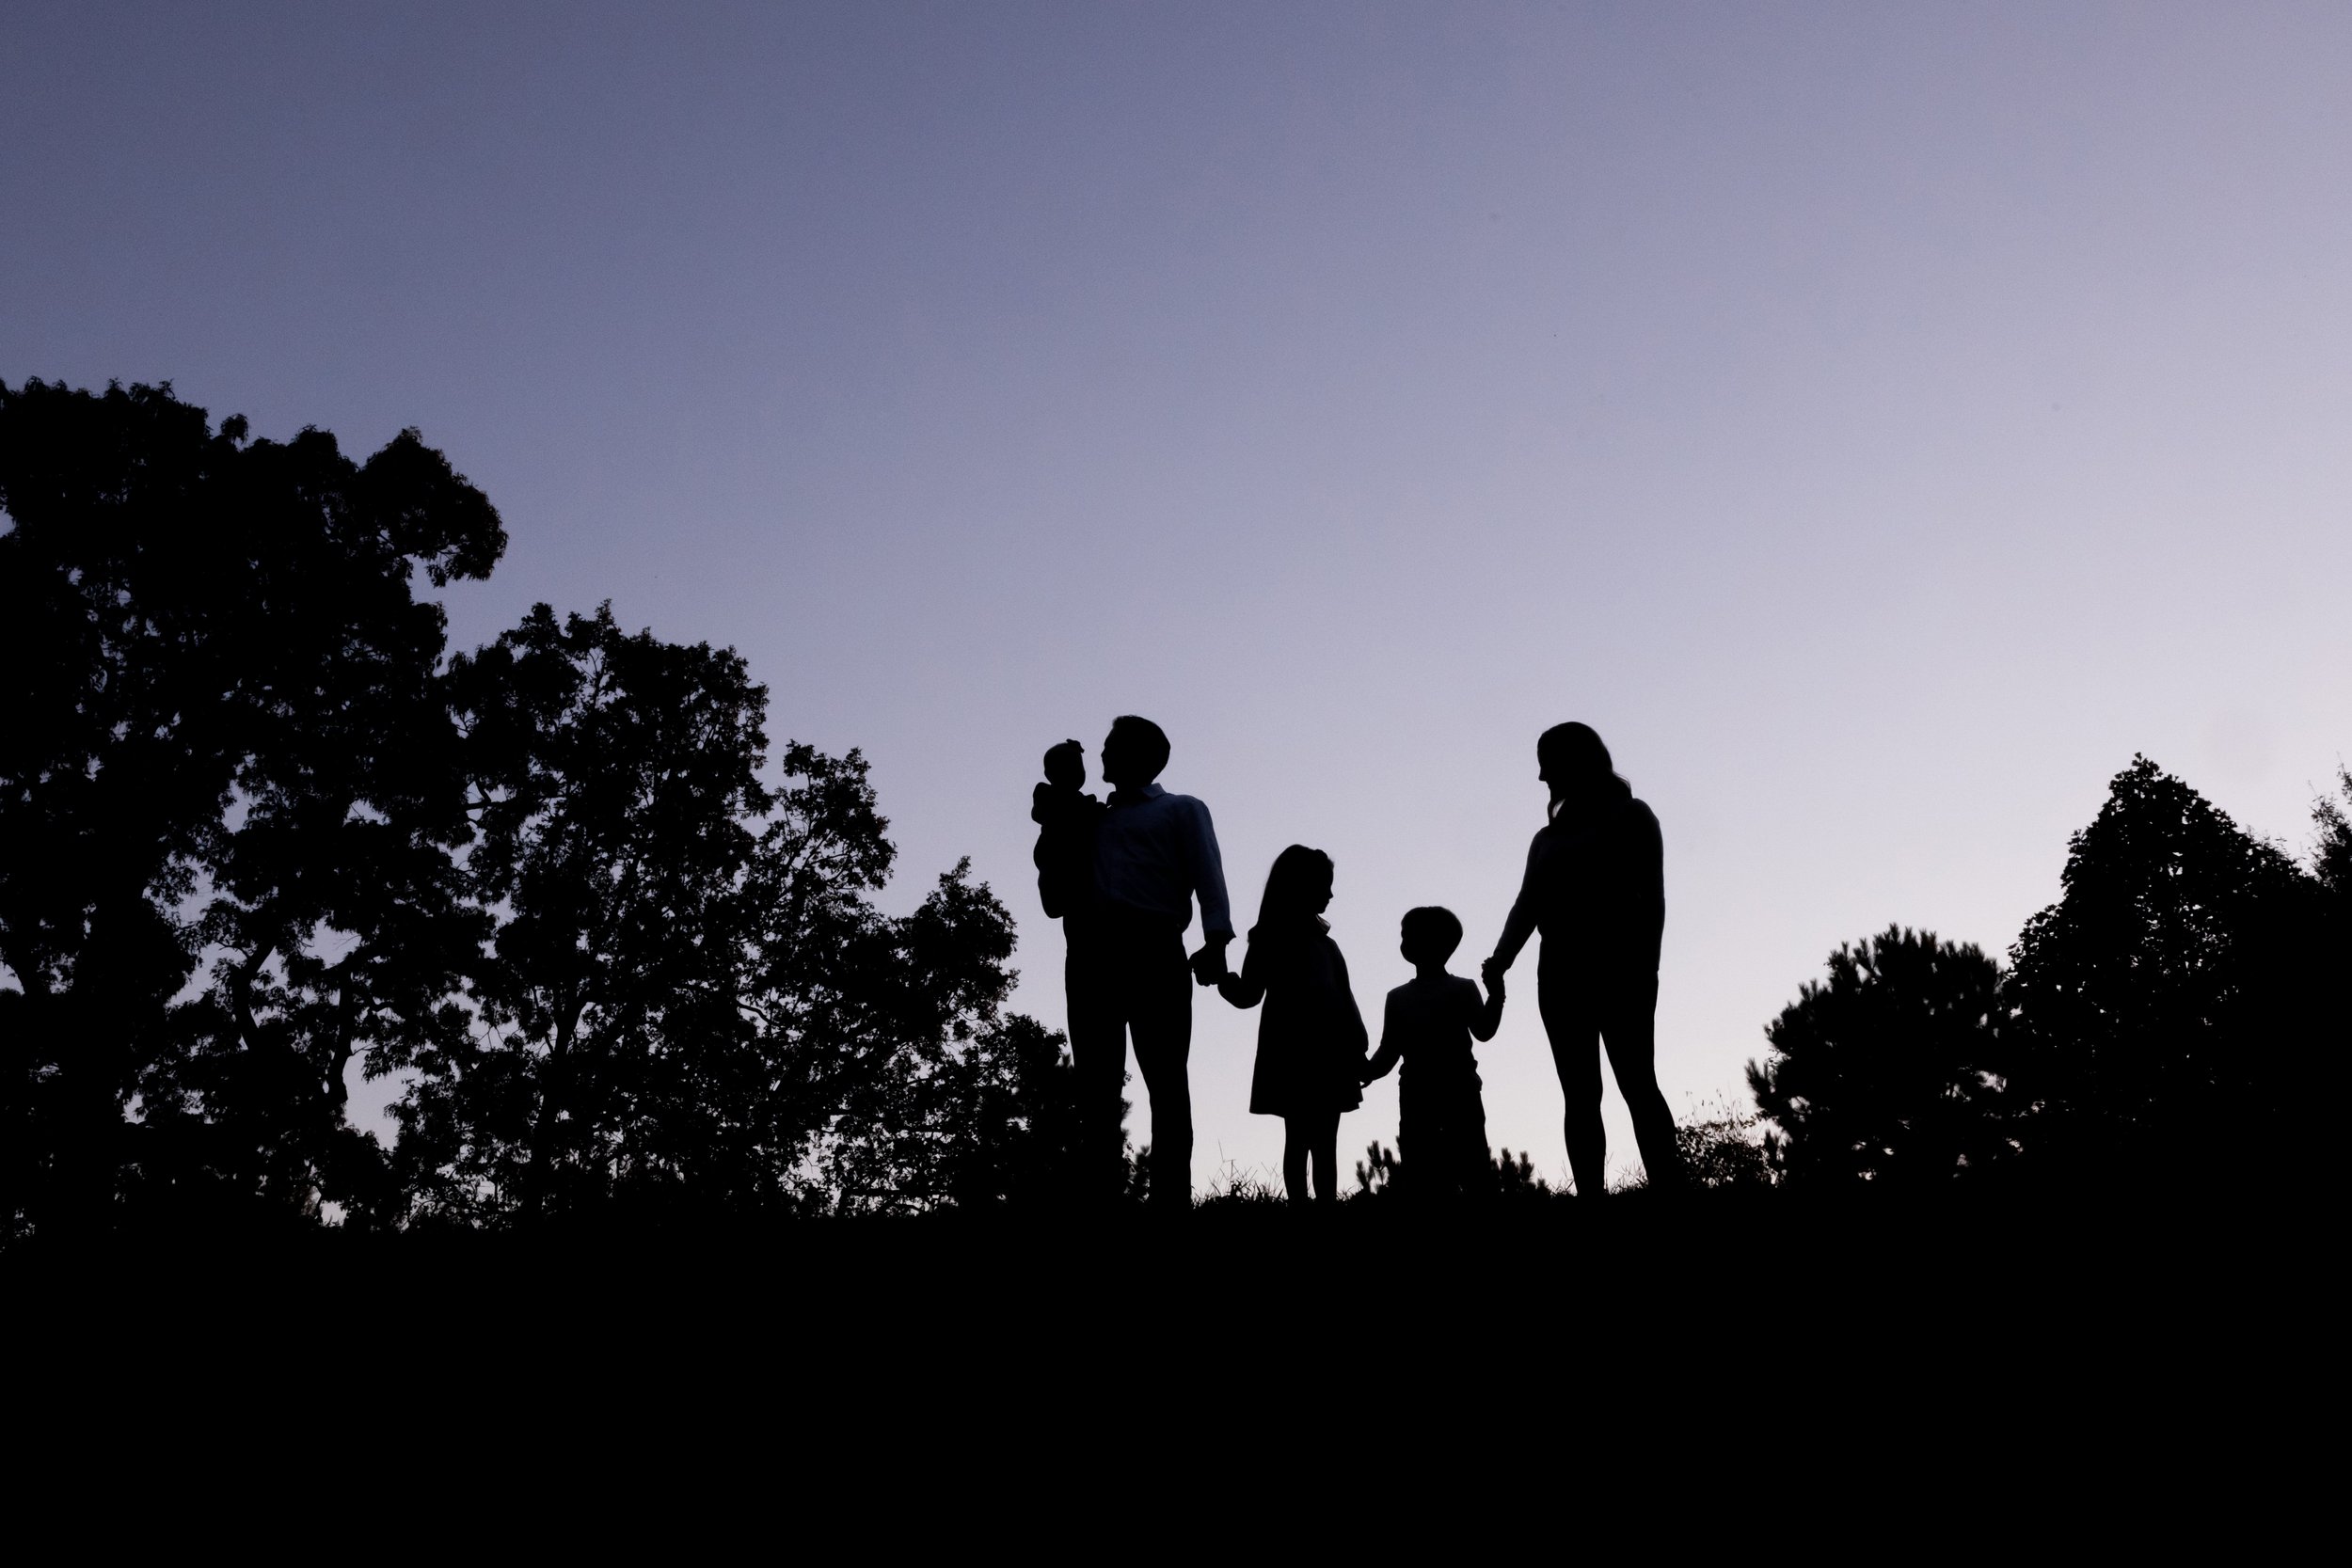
1521,922
1487,1017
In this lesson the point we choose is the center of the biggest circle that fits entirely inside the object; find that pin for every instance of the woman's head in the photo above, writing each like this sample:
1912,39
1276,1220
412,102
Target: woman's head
1298,889
1572,759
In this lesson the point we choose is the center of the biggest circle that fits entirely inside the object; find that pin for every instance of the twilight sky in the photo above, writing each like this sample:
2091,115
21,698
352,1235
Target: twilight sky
1879,423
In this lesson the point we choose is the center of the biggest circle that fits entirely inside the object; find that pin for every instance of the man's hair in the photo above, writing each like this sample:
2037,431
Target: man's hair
1148,742
1433,925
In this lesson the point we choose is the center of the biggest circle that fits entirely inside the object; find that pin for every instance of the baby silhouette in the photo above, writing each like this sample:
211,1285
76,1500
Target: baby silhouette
1065,766
1066,816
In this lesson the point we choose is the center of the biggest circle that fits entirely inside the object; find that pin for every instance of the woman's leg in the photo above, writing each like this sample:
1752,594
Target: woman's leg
1327,1155
1296,1142
1630,1023
1575,1036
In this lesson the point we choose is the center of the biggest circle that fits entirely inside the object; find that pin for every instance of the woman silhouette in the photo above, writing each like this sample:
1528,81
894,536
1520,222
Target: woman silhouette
1596,888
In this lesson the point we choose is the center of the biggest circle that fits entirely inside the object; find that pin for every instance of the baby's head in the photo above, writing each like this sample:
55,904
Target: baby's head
1431,934
1066,765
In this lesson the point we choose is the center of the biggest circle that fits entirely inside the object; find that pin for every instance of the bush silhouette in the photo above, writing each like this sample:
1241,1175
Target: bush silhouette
1890,1070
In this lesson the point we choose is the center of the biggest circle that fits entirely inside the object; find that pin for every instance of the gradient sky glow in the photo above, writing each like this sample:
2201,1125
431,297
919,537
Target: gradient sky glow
1879,423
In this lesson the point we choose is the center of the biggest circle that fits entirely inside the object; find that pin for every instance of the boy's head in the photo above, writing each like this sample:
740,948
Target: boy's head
1431,935
1066,765
1134,753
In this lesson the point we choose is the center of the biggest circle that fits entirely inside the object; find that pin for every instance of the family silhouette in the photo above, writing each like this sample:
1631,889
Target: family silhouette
1122,875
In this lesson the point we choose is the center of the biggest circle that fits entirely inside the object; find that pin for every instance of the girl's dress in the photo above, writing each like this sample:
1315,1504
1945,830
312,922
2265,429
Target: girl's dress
1311,1037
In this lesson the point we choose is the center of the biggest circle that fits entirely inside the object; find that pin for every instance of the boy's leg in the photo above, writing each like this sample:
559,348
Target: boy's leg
1432,1163
1474,1160
1159,1014
1408,1138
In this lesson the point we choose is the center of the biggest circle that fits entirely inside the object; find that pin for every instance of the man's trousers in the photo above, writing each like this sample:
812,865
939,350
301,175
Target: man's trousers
1130,978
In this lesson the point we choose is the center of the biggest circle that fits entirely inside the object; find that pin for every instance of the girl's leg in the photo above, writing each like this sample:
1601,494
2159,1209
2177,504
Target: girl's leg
1296,1142
1326,1154
1575,1034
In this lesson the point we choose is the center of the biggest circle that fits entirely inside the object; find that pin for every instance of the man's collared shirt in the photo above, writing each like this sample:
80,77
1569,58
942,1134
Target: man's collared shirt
1153,854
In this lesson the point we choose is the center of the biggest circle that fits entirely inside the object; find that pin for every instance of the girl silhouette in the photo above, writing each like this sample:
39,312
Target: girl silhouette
1311,1040
1596,888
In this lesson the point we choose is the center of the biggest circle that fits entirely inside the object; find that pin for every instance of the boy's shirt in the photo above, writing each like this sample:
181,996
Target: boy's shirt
1428,1026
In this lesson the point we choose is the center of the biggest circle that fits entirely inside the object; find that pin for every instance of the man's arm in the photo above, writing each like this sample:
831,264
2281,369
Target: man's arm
1208,873
1247,988
1207,869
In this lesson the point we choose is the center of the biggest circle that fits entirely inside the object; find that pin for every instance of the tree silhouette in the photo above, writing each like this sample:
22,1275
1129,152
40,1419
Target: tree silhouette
222,740
1892,1070
689,1001
2331,862
257,835
2166,1006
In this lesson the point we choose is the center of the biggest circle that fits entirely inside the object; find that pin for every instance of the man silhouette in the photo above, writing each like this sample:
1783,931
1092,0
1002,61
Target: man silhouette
1154,853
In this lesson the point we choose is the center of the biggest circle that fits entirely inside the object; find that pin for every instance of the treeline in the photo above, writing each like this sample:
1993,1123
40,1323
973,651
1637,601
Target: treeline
257,827
2176,1022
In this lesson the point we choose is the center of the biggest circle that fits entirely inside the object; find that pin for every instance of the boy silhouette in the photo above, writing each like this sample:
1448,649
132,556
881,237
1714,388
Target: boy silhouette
1431,1019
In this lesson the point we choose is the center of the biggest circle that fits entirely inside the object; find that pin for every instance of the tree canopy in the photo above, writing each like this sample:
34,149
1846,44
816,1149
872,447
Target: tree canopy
1892,1070
262,832
2169,1013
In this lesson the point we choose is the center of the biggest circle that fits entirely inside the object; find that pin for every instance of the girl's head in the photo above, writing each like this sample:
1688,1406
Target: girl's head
1296,890
1573,761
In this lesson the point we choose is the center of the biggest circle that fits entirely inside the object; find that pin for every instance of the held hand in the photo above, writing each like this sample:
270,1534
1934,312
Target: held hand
1208,965
1493,971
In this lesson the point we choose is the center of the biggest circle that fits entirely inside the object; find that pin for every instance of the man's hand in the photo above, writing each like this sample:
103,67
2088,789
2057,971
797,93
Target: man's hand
1208,965
1492,970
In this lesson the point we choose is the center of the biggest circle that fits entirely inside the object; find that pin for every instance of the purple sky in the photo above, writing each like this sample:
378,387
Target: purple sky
1879,423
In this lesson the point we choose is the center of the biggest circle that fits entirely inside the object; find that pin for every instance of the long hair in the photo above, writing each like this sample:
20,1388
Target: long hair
1298,874
1577,761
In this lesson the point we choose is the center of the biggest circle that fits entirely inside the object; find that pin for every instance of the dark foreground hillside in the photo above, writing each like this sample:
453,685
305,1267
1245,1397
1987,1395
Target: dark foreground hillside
1903,1377
1756,1295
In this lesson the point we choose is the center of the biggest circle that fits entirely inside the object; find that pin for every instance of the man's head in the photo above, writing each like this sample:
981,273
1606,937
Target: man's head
1066,765
1134,753
1430,936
